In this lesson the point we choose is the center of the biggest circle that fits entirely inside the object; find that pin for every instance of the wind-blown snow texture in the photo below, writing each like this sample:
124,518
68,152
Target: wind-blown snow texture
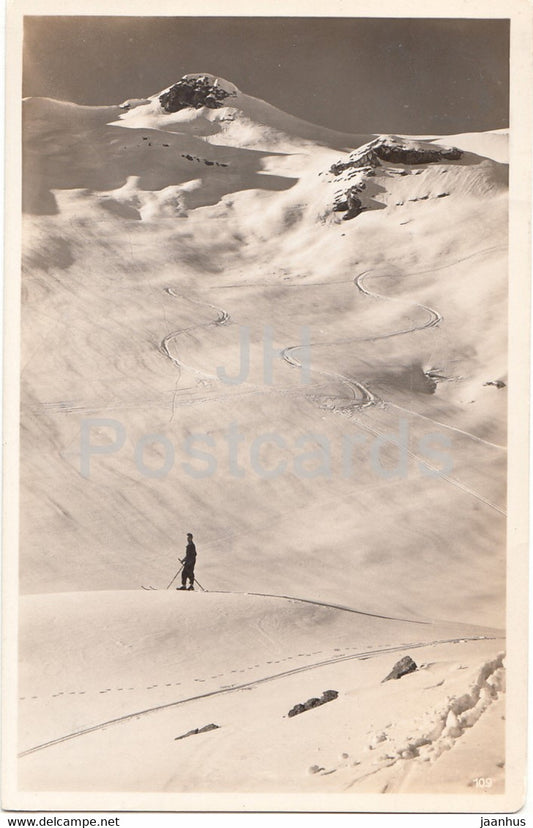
155,242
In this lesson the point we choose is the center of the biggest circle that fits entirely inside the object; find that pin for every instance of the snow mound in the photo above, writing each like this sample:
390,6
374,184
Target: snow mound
493,144
42,116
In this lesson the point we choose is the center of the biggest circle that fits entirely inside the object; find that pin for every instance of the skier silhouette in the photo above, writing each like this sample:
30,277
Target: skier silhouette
188,564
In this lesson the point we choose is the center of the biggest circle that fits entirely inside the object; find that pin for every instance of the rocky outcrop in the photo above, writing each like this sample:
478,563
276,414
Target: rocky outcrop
349,202
497,383
402,667
362,163
327,696
398,154
394,151
197,730
193,92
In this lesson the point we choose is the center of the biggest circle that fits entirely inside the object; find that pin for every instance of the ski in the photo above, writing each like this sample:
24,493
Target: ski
177,588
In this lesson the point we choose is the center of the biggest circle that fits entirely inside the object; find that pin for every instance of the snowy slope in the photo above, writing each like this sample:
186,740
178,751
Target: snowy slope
148,247
242,121
150,667
493,144
153,241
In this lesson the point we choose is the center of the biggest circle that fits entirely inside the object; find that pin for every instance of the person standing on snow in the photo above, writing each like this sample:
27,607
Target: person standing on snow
188,564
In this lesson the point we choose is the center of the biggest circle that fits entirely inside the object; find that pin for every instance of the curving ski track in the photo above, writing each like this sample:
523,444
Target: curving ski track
222,318
362,397
368,398
433,319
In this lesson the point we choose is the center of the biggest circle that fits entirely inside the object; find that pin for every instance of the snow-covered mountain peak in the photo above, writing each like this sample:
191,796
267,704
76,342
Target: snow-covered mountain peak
197,90
215,109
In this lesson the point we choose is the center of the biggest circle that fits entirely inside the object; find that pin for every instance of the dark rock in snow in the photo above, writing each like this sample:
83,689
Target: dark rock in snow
193,92
354,206
350,202
496,383
208,727
327,696
398,154
196,730
402,667
298,708
394,152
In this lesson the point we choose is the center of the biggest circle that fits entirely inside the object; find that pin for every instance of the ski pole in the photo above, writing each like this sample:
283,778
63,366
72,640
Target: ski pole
175,576
200,585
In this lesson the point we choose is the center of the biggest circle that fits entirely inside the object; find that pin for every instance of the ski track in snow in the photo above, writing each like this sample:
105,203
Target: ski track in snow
289,598
245,685
474,437
362,396
433,319
369,399
222,318
437,472
366,396
106,690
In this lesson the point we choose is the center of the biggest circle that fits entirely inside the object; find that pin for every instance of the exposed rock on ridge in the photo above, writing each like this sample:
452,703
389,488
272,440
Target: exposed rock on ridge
348,201
193,92
363,162
395,152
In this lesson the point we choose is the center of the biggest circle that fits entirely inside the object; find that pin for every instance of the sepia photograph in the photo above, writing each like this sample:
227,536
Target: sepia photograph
268,300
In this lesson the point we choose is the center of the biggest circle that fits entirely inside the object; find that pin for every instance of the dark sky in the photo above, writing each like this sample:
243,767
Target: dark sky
351,74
